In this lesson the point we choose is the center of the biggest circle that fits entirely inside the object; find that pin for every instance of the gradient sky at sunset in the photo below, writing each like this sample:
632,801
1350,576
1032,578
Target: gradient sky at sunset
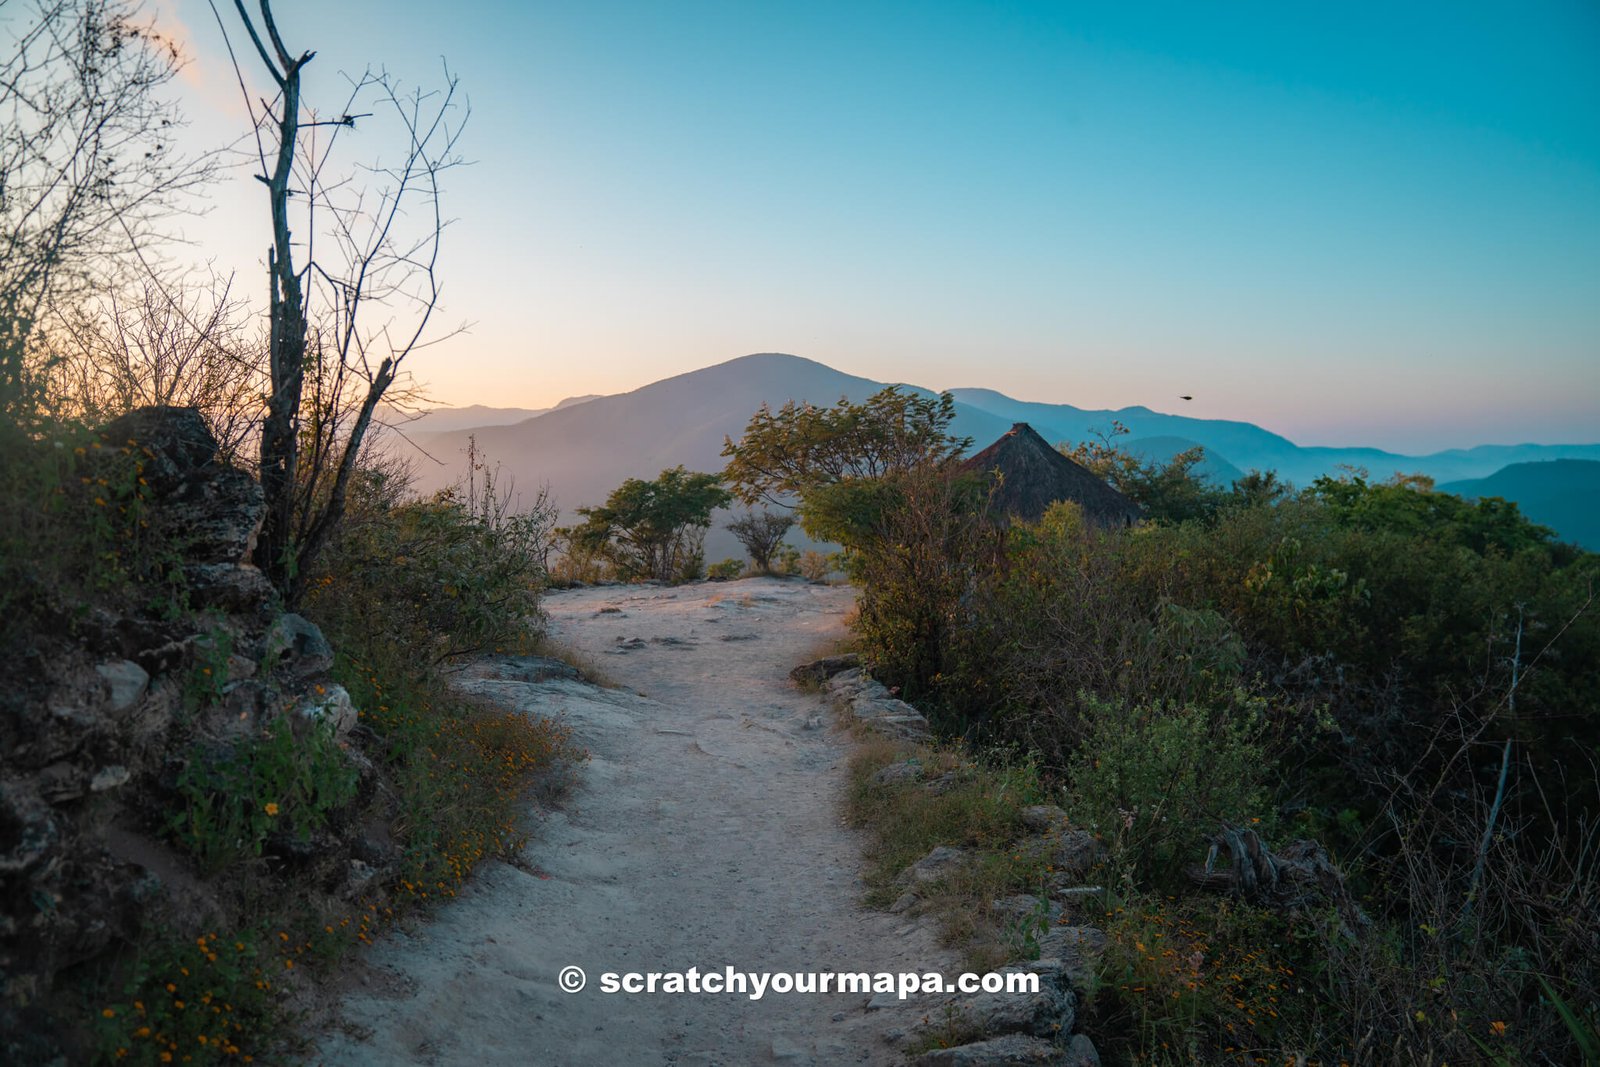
1350,223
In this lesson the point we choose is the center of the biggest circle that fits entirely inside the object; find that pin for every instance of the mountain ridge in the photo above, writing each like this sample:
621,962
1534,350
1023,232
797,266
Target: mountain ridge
584,450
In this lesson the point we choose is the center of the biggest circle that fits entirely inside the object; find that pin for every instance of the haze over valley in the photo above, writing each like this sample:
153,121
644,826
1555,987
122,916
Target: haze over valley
585,446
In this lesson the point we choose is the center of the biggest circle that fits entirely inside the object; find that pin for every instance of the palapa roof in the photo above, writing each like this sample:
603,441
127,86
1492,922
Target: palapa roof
1034,475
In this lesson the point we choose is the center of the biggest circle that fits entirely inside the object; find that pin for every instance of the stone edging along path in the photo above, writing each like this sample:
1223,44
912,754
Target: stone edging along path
1004,1029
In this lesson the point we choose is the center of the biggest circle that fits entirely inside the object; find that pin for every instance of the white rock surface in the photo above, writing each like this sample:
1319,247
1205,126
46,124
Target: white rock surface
704,831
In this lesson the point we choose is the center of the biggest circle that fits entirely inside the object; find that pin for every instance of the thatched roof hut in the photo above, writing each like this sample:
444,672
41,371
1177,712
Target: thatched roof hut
1034,475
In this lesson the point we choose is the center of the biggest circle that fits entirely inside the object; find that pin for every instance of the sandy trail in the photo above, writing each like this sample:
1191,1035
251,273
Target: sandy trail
704,832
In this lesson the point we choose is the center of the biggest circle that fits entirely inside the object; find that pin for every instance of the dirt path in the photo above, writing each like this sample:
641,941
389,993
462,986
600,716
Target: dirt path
704,833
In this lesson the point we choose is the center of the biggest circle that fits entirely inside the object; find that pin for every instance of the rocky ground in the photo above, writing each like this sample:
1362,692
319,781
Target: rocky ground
704,831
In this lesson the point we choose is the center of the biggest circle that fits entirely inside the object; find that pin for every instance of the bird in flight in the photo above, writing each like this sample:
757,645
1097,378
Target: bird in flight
1186,398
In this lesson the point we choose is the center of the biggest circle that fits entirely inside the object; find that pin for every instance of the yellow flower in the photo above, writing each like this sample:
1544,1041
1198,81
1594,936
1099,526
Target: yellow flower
271,808
110,1013
1497,1028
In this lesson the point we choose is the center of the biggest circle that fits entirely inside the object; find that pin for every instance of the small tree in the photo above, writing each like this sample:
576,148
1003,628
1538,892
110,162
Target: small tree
803,447
653,529
760,534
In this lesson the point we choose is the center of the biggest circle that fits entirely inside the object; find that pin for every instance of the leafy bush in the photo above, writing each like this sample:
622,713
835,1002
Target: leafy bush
1155,781
288,779
1432,668
436,577
74,525
727,569
814,566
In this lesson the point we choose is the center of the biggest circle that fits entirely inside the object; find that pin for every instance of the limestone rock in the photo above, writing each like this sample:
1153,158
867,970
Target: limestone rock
294,644
125,681
904,902
1023,909
818,671
113,777
61,781
1049,1012
1074,853
1081,1053
1012,1050
233,587
172,442
1043,818
896,773
855,692
531,669
935,865
1076,948
218,516
29,830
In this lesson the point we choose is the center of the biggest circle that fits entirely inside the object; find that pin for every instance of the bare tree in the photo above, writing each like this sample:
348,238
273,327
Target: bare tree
189,345
88,171
359,257
761,534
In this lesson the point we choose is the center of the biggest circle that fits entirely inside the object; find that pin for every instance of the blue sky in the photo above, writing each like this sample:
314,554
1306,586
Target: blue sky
1353,224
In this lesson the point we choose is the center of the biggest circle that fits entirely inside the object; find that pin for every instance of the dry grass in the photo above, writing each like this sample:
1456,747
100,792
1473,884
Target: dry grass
582,662
978,811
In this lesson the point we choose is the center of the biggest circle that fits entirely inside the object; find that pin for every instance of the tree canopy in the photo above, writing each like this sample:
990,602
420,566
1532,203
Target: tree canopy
652,529
800,448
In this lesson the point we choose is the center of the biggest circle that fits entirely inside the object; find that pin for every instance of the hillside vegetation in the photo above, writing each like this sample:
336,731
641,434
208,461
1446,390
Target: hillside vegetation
229,752
1388,685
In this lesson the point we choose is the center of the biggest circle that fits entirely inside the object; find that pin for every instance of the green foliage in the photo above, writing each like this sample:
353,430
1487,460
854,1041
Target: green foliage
1403,640
814,566
1168,492
727,569
75,525
979,808
919,570
442,577
1200,981
851,511
208,675
461,768
1156,782
200,1001
289,779
1585,1031
653,529
803,447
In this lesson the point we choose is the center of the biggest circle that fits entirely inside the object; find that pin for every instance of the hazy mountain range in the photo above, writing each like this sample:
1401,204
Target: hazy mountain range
586,446
1563,494
444,420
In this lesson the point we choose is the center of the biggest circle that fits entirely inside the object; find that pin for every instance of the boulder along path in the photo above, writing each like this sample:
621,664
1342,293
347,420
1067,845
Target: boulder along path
704,831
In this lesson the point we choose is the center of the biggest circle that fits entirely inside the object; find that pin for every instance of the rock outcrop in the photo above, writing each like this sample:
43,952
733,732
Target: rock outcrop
100,712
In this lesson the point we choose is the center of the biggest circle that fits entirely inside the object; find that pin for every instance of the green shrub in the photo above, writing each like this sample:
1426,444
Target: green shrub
1155,781
728,568
436,577
75,525
288,779
653,529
